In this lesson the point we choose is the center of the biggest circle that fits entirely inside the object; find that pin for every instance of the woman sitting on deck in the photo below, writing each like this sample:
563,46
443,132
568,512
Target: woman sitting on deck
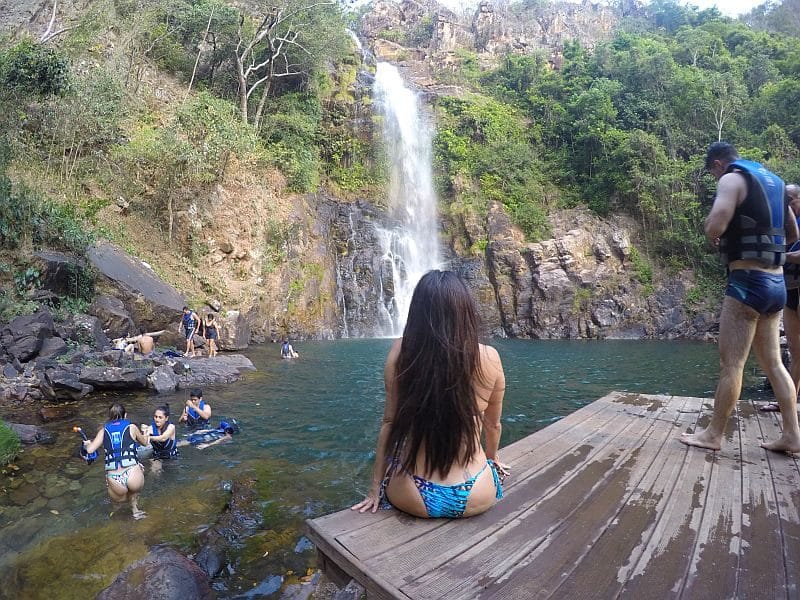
442,389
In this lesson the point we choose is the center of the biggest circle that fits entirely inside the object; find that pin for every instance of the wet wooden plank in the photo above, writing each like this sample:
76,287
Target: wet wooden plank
607,564
786,481
604,503
662,566
564,567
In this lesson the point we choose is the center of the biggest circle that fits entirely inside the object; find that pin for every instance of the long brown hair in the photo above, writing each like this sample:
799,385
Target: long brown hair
436,368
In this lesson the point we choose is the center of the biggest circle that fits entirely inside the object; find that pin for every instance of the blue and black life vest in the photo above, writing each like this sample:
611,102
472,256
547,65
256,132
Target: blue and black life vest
188,320
756,231
193,418
119,445
167,449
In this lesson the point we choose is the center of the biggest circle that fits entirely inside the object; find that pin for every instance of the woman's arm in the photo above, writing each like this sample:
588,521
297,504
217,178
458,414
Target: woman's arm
139,436
92,446
372,501
168,434
492,426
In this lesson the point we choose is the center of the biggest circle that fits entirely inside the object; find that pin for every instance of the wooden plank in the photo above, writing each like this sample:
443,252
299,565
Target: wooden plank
388,535
786,483
712,565
331,551
604,503
583,558
761,571
475,567
661,568
606,566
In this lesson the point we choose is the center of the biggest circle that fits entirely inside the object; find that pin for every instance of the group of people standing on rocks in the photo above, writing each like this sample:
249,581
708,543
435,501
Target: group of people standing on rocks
120,440
444,390
206,326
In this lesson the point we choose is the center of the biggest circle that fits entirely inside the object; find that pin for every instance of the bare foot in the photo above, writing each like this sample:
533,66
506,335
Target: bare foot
783,444
701,440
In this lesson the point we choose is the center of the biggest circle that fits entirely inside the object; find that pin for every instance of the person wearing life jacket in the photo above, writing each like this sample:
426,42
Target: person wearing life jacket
791,276
190,322
124,474
162,434
204,438
287,351
197,412
751,223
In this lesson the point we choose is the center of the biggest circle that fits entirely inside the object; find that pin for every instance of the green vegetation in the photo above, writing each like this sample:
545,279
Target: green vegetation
9,444
623,128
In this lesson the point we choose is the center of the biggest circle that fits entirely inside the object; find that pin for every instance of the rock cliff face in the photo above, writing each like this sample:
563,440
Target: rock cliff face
495,29
581,283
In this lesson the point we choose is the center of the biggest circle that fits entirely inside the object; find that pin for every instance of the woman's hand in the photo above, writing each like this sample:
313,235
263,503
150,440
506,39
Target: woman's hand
503,470
370,503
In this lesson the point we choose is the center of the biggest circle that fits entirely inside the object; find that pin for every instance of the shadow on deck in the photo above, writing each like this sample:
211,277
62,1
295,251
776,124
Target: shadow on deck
604,503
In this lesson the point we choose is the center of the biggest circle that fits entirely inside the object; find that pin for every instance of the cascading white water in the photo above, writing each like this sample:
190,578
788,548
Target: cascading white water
411,246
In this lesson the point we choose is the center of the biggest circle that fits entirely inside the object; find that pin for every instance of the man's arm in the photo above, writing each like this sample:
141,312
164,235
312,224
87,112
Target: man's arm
790,224
731,191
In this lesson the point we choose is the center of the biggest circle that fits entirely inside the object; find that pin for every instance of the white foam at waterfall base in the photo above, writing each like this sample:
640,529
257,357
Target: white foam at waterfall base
410,244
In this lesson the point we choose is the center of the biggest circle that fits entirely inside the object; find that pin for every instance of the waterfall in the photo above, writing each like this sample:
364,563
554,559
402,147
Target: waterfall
410,245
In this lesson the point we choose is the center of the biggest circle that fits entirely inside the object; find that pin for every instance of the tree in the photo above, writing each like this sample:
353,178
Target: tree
280,44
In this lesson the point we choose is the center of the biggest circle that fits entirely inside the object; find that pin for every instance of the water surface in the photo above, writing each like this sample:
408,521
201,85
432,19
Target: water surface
308,430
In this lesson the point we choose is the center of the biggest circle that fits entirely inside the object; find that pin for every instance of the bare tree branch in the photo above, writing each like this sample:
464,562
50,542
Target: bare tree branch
199,51
46,35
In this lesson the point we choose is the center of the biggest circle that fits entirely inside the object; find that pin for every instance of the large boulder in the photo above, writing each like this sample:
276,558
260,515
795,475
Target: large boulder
163,380
83,329
53,347
151,302
163,574
234,331
31,434
115,320
63,383
63,274
23,337
242,518
116,378
223,368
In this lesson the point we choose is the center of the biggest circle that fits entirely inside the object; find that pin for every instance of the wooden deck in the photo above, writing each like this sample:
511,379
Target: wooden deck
605,503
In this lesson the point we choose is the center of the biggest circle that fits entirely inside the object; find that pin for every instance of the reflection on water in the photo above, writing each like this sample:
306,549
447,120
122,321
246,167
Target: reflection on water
308,430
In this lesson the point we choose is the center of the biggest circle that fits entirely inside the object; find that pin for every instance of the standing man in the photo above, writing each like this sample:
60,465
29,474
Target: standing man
751,224
190,322
791,275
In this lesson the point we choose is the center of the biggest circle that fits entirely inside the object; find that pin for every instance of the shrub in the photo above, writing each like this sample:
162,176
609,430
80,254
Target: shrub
33,68
291,133
9,444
